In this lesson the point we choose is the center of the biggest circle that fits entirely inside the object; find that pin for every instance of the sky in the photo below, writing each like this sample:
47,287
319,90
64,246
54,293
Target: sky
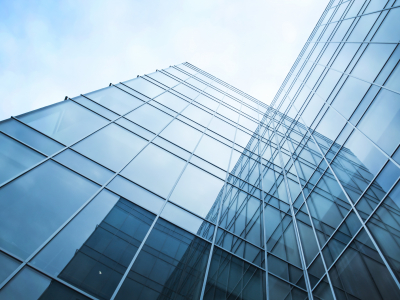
53,49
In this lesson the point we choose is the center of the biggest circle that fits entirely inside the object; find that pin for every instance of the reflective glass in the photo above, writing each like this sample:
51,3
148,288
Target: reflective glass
222,128
207,101
182,135
36,204
150,118
171,265
164,79
198,115
66,122
144,87
176,73
388,31
363,27
214,152
138,130
115,99
8,265
170,100
197,191
32,285
15,158
96,108
84,166
186,91
155,169
30,137
385,111
112,146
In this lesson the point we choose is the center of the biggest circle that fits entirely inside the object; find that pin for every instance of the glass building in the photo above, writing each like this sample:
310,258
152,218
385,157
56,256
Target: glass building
176,185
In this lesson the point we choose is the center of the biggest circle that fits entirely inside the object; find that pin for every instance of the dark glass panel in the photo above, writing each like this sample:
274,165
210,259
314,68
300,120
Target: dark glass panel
171,265
8,265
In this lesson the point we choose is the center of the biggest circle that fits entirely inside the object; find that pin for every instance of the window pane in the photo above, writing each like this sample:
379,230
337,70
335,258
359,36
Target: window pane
387,32
172,262
33,206
115,99
207,101
67,122
197,190
222,128
385,111
112,146
155,169
164,79
174,102
8,265
186,91
150,118
144,87
198,115
15,158
95,249
84,166
95,107
182,135
214,152
32,285
30,137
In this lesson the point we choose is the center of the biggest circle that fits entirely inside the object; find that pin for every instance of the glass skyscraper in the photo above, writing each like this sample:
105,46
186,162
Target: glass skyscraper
177,185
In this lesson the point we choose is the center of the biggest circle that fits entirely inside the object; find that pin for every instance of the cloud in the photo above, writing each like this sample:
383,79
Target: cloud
52,49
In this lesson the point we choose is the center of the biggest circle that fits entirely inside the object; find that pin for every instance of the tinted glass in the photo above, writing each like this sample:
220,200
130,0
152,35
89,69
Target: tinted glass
150,118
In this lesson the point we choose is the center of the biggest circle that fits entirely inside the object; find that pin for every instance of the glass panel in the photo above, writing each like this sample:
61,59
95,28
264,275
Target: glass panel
15,158
198,115
197,191
223,128
32,285
186,91
281,290
385,111
214,151
95,107
112,146
115,99
155,169
345,56
67,122
95,249
232,278
207,101
188,221
8,265
363,27
182,135
84,166
372,61
30,137
140,131
136,194
386,32
171,265
150,118
36,204
164,79
174,102
144,87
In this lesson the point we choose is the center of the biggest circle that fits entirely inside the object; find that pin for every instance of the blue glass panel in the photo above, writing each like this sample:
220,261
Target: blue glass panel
33,206
67,122
144,87
198,115
30,137
164,79
207,101
155,169
8,265
150,118
15,158
363,27
170,100
182,135
84,166
214,152
115,99
95,107
385,111
112,146
186,91
197,190
388,31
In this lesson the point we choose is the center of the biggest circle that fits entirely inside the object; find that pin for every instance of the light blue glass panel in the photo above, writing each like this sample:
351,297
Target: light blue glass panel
222,128
177,73
198,115
350,96
30,137
144,87
214,152
150,118
392,83
164,79
196,83
96,108
372,61
381,122
112,146
155,169
140,131
15,158
84,166
363,27
389,29
58,253
182,135
36,204
233,115
170,147
207,101
174,102
136,194
197,190
115,99
345,55
67,122
187,91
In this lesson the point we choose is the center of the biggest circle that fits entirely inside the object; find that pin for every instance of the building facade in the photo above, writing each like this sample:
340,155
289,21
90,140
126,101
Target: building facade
176,185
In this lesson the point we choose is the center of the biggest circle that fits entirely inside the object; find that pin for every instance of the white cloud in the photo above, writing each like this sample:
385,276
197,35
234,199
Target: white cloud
50,50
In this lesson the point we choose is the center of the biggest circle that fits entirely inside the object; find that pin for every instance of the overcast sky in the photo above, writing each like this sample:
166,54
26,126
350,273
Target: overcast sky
53,49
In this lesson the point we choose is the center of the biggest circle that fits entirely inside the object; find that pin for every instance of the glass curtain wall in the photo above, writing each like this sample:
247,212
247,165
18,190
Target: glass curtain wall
176,185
